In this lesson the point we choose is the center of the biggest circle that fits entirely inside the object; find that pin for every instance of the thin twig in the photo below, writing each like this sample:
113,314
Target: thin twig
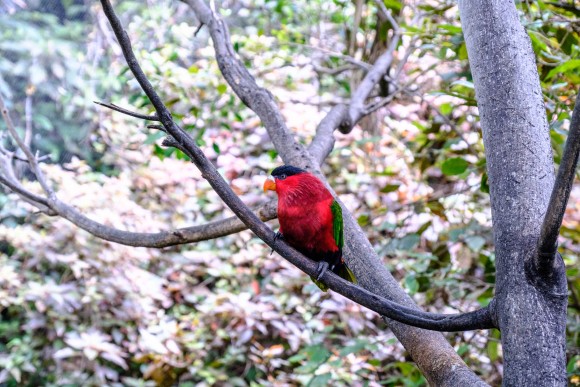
119,109
32,160
157,127
349,59
198,29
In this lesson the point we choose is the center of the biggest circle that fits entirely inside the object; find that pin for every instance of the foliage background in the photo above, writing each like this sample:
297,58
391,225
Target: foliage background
77,310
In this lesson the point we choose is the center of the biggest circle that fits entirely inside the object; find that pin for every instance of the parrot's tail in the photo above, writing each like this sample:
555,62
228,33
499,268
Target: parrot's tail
344,272
340,270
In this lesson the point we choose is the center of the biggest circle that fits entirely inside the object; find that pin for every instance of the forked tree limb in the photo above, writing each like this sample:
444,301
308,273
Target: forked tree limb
32,159
548,241
357,108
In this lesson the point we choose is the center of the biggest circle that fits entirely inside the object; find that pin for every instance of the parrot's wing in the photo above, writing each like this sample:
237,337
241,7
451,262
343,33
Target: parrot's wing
337,224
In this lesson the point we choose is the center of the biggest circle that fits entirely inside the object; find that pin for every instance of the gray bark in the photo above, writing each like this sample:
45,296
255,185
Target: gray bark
433,354
530,309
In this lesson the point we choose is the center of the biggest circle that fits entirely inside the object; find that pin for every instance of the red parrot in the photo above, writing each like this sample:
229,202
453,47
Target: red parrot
310,220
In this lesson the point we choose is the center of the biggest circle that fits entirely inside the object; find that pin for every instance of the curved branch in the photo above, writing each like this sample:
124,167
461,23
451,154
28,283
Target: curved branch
53,206
323,141
119,109
38,201
548,241
212,230
474,320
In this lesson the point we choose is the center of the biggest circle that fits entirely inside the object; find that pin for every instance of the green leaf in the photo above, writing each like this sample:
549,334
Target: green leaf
484,187
390,188
571,367
354,348
320,380
450,28
408,242
216,148
393,4
464,83
537,41
462,53
153,137
564,67
454,166
475,242
463,348
316,355
493,345
297,358
446,108
412,284
363,220
221,88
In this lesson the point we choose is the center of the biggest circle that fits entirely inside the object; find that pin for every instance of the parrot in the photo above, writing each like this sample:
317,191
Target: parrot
310,220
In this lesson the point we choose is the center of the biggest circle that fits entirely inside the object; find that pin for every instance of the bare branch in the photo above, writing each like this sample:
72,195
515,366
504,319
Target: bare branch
53,206
243,84
332,71
198,29
32,159
349,59
385,14
28,117
157,127
323,142
548,241
373,107
27,196
357,109
119,109
212,230
8,178
474,320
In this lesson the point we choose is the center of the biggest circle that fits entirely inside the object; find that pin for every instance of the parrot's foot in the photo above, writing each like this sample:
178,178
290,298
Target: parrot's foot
321,269
277,236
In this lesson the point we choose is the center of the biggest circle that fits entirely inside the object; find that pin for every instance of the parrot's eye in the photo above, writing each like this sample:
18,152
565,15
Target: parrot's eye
282,176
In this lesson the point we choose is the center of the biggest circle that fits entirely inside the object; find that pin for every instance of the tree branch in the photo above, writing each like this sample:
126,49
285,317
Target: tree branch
119,109
323,141
9,181
357,104
548,241
243,84
474,320
53,206
32,159
212,230
424,346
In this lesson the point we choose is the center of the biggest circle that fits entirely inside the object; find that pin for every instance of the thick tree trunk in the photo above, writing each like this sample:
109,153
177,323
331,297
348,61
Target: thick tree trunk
530,309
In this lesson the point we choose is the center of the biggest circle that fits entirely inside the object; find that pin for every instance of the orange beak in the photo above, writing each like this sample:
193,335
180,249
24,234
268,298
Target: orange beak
269,184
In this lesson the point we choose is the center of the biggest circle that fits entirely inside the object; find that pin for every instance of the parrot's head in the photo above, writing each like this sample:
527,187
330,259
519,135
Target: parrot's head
283,178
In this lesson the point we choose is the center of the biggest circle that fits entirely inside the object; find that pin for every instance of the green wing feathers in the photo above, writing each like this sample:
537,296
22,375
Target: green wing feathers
338,233
337,223
338,228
